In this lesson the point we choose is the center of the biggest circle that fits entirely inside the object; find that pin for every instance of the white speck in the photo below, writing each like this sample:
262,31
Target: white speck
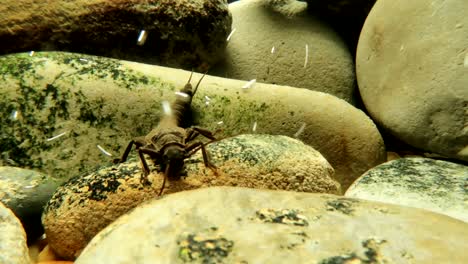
220,123
57,136
85,60
465,63
207,100
250,84
402,48
31,53
104,151
306,55
230,34
29,186
14,115
254,127
300,130
273,50
459,25
166,108
142,38
182,94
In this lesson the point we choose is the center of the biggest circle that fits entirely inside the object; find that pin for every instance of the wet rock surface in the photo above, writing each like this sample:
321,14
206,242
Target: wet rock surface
97,101
26,192
85,205
235,225
178,33
268,43
411,68
429,184
13,248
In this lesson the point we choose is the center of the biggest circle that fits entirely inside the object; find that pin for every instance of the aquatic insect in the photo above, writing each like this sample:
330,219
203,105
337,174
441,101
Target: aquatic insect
169,144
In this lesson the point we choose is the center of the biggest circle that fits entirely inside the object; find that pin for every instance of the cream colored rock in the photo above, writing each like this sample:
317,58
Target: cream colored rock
429,184
98,101
237,225
411,72
269,45
85,205
13,248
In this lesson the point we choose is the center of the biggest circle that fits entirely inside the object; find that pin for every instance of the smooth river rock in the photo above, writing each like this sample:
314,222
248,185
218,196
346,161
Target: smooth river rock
435,185
412,65
179,33
13,248
26,192
268,43
238,225
65,108
85,205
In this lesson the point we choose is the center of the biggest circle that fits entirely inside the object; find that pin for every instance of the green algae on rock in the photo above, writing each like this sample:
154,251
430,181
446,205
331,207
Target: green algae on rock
90,101
435,185
222,226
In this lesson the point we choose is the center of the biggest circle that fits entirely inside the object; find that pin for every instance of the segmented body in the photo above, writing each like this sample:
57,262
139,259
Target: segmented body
168,144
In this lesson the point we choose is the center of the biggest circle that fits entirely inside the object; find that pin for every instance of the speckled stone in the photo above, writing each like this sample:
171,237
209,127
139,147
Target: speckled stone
410,67
98,101
269,45
238,225
435,185
180,33
85,205
13,248
26,192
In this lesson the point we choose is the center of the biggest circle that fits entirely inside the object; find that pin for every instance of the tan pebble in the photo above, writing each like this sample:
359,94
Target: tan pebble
47,255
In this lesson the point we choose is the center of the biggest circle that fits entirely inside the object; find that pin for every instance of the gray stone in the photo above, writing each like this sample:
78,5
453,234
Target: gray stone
237,225
105,102
26,192
411,72
429,184
180,33
285,26
85,205
13,248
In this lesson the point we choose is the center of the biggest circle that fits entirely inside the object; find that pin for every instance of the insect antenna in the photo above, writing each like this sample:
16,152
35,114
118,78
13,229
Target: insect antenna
199,81
164,181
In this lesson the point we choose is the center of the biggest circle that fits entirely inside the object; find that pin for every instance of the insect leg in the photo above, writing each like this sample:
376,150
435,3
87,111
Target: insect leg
146,171
194,147
139,141
164,181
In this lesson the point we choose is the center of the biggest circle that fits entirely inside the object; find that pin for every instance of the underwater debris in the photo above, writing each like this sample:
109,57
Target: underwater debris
300,130
104,151
306,55
57,136
250,84
142,38
230,34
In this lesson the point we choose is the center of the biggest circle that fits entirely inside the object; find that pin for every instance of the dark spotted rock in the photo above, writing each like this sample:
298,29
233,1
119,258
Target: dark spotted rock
13,248
435,185
180,33
239,225
26,192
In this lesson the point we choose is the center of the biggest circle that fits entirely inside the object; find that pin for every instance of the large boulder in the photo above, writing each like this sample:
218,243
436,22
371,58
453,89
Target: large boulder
96,103
238,225
411,73
278,42
179,33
